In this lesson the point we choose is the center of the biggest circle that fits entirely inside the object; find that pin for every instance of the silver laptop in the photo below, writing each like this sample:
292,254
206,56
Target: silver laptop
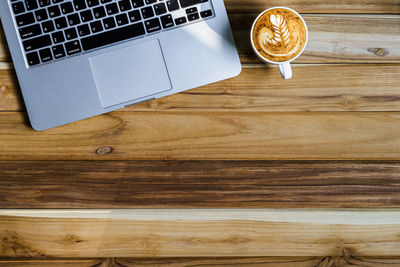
78,58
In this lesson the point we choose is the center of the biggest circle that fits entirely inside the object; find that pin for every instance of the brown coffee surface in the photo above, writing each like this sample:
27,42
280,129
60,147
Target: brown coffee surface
279,35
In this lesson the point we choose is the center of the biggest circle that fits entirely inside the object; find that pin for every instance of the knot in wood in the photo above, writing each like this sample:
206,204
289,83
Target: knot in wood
104,150
381,52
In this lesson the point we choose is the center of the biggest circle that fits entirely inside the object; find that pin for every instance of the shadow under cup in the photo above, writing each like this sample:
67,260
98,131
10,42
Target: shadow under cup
278,36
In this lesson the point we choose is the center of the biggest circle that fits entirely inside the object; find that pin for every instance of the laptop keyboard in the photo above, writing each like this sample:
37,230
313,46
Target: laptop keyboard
56,29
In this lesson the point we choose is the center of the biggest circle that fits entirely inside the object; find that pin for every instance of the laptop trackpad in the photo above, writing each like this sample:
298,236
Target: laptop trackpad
130,73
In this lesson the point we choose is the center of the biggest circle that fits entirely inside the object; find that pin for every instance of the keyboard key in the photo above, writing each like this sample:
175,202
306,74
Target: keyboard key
43,3
137,3
79,4
109,23
73,19
57,37
92,3
194,16
134,16
67,8
113,36
86,16
18,8
105,1
83,30
36,43
206,13
152,25
32,58
96,26
30,31
45,55
41,14
160,9
57,1
99,12
112,9
191,10
147,12
70,34
187,3
149,2
167,21
61,23
73,47
58,51
121,19
124,5
54,11
48,26
31,4
25,19
172,5
179,21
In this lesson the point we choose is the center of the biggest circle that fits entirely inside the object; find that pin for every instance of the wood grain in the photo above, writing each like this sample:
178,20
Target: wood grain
196,233
4,53
333,39
200,136
314,88
189,184
315,6
344,261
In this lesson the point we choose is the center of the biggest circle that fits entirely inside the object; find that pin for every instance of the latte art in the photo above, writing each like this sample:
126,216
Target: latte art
281,31
279,35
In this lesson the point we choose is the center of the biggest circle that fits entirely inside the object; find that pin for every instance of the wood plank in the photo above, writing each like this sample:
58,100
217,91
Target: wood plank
261,89
200,136
344,261
10,94
58,262
333,38
198,233
4,53
315,6
190,184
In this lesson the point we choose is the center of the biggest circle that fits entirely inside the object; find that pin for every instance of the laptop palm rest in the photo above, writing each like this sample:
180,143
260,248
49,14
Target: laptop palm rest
130,73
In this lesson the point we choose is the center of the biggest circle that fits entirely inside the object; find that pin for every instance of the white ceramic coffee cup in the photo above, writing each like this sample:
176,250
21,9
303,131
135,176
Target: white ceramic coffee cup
284,66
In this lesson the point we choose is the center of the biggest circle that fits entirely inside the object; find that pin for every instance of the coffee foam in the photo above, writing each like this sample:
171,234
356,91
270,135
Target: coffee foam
279,35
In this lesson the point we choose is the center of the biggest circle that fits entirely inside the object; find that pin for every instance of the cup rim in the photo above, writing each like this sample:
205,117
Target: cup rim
258,53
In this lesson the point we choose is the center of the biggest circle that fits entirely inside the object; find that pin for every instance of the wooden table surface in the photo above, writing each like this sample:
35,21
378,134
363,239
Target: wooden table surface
253,170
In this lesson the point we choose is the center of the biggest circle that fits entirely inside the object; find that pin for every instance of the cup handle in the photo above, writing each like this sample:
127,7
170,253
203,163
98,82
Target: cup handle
286,70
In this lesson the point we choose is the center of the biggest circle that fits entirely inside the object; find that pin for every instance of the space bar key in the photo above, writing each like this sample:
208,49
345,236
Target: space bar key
110,37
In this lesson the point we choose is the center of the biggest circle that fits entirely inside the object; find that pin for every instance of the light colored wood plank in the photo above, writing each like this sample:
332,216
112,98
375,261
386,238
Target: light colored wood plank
189,233
315,6
344,261
261,89
10,95
199,136
194,184
333,38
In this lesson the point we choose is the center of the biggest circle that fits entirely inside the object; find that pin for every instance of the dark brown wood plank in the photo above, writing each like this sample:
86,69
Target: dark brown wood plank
190,184
345,260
